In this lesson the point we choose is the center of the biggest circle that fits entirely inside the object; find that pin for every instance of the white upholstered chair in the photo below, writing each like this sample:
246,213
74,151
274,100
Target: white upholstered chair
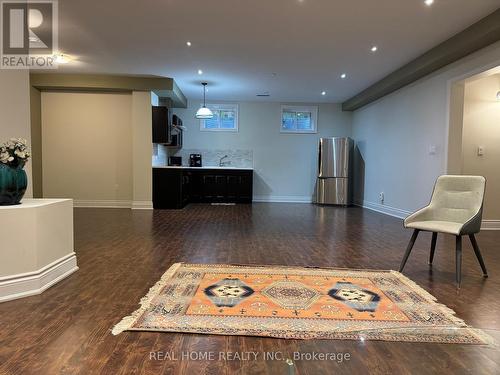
456,208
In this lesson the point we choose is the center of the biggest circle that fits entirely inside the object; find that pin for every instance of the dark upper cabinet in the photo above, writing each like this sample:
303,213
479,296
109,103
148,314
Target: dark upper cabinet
161,125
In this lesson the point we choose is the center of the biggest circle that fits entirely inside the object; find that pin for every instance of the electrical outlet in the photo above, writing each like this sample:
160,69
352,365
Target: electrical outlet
480,150
381,197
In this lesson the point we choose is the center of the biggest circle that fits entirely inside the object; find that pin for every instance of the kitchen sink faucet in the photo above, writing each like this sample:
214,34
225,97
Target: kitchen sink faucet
224,163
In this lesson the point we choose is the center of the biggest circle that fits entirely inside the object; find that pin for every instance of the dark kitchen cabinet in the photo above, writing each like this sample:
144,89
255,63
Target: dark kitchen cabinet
213,188
186,186
168,187
161,125
176,187
195,187
245,190
233,187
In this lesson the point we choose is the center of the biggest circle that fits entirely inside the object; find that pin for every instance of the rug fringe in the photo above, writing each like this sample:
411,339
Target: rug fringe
128,321
424,293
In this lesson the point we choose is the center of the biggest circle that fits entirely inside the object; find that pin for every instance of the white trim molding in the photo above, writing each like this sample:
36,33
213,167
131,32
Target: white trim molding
142,205
490,225
80,203
384,209
401,214
32,283
282,199
135,205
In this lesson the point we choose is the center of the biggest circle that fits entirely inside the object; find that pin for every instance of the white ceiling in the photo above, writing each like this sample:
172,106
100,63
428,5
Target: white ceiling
239,44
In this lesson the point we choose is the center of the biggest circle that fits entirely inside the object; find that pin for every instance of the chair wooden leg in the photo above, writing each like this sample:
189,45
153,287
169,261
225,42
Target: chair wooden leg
408,249
478,254
459,260
433,247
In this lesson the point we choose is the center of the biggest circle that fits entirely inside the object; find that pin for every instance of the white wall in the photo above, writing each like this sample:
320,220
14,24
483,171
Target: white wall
15,110
86,146
394,136
97,148
285,164
482,128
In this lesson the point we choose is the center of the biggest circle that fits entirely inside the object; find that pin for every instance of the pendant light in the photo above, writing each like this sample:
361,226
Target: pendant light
204,112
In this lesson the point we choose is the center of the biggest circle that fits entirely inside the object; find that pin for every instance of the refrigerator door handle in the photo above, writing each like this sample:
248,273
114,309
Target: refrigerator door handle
319,157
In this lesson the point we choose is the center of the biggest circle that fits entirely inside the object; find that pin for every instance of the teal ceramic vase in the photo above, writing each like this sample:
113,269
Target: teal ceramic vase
13,184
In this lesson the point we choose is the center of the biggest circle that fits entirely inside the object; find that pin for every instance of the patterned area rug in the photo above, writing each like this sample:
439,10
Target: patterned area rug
296,303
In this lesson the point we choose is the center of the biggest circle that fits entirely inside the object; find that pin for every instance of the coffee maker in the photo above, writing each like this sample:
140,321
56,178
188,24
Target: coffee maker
195,160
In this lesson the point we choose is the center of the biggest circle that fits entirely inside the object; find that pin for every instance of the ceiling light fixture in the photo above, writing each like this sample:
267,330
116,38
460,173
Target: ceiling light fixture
61,59
429,2
374,49
204,113
188,43
200,72
343,76
323,93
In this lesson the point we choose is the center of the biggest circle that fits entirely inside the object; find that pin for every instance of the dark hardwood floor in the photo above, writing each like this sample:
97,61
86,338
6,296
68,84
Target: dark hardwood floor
121,253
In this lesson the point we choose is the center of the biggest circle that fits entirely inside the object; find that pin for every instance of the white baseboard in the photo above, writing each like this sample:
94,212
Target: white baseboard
79,203
282,199
32,283
384,209
490,225
401,214
142,205
135,205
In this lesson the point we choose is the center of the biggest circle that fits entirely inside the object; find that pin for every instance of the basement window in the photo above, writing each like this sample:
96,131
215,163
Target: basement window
225,118
299,119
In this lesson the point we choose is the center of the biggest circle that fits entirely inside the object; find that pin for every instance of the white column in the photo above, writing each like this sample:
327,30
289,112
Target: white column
142,148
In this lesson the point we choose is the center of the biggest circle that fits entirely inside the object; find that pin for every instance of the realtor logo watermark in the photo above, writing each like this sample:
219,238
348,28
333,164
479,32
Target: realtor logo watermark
29,34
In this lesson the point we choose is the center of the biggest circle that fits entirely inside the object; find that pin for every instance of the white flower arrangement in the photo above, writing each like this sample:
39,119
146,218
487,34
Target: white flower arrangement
14,153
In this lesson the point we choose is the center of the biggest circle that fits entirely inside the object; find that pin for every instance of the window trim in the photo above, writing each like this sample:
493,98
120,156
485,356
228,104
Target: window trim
222,106
300,108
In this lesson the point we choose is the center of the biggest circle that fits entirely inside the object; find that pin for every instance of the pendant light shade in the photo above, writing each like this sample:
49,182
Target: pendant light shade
204,113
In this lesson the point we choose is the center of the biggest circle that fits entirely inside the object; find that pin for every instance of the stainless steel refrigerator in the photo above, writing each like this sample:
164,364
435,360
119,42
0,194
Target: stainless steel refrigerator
334,182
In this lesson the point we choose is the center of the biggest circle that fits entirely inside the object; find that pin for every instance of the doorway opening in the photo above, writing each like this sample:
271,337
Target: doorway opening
474,135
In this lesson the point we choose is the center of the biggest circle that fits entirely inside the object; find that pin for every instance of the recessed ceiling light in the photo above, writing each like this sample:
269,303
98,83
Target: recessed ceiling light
188,43
323,93
429,2
200,72
33,39
343,76
61,59
374,49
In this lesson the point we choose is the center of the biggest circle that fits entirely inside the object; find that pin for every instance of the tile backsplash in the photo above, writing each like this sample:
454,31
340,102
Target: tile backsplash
210,158
160,155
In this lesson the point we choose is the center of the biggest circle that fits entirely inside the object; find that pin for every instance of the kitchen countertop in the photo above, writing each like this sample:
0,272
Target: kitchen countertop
204,167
